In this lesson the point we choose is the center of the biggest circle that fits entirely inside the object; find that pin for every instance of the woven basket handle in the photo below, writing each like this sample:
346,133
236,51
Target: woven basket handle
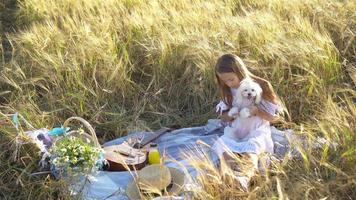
91,130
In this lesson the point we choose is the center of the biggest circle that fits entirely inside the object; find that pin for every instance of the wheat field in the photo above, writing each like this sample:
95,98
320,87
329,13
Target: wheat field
142,64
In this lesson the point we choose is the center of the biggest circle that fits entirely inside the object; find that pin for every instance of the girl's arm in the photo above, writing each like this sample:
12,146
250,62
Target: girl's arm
255,111
223,110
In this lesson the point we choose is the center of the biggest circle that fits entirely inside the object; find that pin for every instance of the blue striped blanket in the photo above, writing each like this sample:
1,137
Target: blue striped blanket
111,185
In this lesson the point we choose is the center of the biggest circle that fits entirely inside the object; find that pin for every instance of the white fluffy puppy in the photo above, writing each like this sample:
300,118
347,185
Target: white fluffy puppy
247,90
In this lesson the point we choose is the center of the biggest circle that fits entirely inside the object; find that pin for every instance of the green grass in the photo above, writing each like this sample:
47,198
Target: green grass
126,65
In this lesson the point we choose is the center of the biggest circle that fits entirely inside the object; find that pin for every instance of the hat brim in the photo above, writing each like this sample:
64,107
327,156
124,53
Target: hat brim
133,192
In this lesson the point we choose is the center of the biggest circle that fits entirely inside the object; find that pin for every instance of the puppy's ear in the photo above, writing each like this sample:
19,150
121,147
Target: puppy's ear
258,98
258,95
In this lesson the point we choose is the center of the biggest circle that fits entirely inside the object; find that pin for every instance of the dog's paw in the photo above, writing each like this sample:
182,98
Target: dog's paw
245,113
233,112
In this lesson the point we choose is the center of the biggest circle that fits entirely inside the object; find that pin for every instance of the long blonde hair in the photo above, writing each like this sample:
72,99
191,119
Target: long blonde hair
231,63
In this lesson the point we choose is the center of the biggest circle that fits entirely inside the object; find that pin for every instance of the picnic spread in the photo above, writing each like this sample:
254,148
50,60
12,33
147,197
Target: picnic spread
118,167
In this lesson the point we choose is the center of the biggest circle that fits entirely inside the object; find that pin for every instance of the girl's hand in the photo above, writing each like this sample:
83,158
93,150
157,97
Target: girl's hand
253,110
225,117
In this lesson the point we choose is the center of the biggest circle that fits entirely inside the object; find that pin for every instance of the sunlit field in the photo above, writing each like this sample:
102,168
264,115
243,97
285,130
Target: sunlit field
140,65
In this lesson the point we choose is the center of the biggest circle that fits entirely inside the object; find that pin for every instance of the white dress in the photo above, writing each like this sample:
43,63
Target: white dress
251,135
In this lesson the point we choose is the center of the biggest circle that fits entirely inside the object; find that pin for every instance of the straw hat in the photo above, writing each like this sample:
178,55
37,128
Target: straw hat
155,180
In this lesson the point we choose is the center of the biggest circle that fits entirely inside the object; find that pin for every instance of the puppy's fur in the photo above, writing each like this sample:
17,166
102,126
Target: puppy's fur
248,89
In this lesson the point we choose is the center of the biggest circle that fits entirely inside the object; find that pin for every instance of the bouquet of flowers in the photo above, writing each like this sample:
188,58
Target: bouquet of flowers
73,155
76,152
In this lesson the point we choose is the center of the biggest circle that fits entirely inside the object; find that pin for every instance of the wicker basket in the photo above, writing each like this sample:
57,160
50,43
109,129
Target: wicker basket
90,135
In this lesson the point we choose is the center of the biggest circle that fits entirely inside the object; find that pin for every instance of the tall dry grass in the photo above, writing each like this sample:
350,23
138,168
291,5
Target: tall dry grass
2,7
127,65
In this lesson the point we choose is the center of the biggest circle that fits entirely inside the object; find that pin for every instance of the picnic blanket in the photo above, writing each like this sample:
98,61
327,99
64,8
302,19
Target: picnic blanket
111,185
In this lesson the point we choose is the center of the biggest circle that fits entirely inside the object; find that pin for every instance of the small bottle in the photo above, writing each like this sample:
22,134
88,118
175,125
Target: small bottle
153,155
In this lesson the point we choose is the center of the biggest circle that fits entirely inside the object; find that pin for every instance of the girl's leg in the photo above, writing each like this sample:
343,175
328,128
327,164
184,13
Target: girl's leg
241,161
251,164
231,160
244,165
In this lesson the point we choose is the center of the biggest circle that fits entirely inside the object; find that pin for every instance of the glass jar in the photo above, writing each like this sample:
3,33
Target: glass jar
154,156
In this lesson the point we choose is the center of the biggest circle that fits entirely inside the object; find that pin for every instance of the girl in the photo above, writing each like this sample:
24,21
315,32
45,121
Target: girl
229,71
